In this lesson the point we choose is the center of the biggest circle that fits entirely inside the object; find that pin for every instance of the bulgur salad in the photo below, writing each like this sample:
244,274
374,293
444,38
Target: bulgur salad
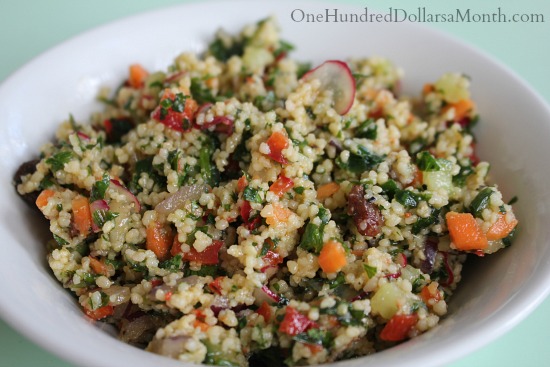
243,208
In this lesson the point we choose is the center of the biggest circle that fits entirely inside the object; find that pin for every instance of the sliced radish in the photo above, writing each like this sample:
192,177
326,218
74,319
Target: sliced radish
116,185
336,76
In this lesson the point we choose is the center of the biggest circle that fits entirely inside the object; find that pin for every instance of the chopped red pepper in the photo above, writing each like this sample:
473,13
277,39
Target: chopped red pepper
295,323
282,185
216,286
99,313
277,142
168,114
271,260
264,311
242,183
167,296
209,256
398,327
245,211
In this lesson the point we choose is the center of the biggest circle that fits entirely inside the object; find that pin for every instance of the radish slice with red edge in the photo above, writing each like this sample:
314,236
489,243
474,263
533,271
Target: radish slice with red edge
335,76
116,185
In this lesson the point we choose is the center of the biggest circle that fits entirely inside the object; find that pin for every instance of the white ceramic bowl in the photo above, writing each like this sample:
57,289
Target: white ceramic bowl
513,135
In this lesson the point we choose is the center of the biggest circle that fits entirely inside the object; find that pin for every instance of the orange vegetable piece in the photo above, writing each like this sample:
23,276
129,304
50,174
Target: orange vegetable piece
82,216
430,292
159,239
501,228
398,327
277,142
98,267
242,183
265,311
427,88
137,76
44,197
462,108
280,214
465,233
100,313
327,190
282,185
332,257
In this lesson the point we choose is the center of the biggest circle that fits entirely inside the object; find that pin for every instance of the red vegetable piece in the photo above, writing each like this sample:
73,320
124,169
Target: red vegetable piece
295,323
175,120
100,313
271,259
282,185
398,327
207,257
264,311
277,142
216,286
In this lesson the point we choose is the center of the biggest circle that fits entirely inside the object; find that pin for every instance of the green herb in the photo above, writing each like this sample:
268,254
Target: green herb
427,162
324,215
201,93
101,217
284,48
371,270
418,283
114,263
104,299
99,188
178,105
173,265
390,188
480,202
408,198
59,207
303,68
215,356
60,240
360,161
265,249
156,84
316,336
299,190
367,130
513,200
46,182
58,160
338,281
82,248
252,195
312,239
359,77
423,223
460,179
205,270
507,241
223,53
209,172
145,165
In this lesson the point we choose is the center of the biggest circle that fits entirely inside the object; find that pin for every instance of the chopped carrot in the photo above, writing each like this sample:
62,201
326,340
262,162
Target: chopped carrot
418,178
280,214
501,228
159,239
332,257
82,215
265,311
314,348
277,142
327,190
99,313
242,183
428,88
281,185
430,294
464,231
462,108
98,267
44,197
137,76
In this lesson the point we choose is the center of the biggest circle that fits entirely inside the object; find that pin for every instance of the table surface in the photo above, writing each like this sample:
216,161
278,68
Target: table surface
29,27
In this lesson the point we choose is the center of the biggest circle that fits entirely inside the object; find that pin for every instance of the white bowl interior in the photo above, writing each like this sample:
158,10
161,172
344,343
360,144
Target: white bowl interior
497,292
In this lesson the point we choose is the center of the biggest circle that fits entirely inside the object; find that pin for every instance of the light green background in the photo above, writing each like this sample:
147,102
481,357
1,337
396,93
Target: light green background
30,27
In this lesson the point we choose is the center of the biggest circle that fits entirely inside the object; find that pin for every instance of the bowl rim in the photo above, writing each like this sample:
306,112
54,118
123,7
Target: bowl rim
499,324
